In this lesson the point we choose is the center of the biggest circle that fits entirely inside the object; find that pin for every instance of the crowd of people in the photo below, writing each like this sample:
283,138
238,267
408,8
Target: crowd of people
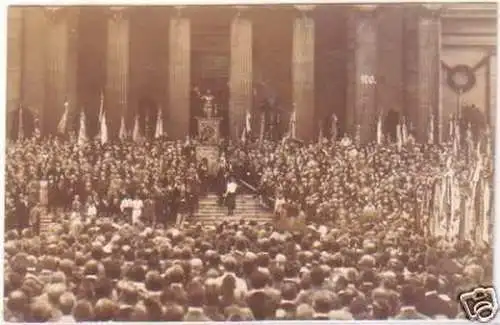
116,252
153,181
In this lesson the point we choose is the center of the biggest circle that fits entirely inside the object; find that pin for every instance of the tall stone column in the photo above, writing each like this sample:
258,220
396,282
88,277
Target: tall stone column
117,72
362,104
34,65
303,72
14,63
492,92
241,76
429,67
60,79
179,84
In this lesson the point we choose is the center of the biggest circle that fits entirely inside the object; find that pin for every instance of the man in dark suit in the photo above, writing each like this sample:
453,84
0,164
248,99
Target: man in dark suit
196,298
433,303
408,301
22,213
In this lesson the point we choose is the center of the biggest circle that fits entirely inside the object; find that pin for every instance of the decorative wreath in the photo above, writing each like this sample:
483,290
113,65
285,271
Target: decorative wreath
461,78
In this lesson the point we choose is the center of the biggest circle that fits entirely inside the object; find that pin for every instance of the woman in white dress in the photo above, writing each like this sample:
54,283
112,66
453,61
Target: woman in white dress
137,205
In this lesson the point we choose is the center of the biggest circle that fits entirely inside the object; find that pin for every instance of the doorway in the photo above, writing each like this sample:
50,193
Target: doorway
210,60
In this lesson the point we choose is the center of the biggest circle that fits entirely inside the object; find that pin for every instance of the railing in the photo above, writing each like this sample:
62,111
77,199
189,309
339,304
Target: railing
266,201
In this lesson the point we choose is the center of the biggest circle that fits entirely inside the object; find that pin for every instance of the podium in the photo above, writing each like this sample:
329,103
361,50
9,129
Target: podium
209,138
209,130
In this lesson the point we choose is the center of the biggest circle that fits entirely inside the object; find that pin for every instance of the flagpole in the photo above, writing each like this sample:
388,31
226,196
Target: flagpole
459,104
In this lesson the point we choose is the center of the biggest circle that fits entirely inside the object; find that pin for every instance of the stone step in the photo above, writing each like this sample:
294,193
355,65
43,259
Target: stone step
217,208
234,218
250,215
248,207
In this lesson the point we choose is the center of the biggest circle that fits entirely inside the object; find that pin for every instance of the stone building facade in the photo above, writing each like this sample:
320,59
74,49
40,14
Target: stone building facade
358,62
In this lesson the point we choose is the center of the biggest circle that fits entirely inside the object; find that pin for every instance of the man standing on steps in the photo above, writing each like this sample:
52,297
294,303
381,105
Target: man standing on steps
230,195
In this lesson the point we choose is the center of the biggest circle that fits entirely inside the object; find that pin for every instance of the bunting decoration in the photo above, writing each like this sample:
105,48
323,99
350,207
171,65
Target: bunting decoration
159,124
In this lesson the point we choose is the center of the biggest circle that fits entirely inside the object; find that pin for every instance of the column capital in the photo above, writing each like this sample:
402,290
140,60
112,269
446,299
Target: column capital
305,10
241,11
179,11
118,13
55,14
366,8
430,10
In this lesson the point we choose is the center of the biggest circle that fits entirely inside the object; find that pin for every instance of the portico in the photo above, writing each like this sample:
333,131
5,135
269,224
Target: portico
357,62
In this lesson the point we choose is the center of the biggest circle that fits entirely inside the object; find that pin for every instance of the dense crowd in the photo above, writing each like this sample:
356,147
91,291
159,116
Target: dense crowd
361,256
151,180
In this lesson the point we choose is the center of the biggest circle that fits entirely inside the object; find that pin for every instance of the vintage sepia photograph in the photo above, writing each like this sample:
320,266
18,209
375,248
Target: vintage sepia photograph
250,162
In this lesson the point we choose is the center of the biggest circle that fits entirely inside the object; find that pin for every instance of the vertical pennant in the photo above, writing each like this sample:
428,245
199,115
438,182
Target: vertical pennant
20,129
159,125
82,133
379,130
122,135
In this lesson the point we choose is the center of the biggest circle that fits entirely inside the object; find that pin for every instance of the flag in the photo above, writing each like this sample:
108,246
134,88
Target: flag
159,125
248,122
379,130
489,136
404,132
451,128
104,129
486,213
456,138
82,133
458,134
399,139
262,126
248,127
320,135
122,135
430,137
101,107
293,123
469,216
20,129
136,136
63,123
442,195
357,136
334,130
470,142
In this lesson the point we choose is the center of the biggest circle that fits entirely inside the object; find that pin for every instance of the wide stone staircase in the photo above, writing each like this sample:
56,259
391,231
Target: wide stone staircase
248,207
46,223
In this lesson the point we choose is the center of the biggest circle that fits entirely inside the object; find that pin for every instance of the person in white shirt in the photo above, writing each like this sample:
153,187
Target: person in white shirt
230,195
91,208
126,207
279,206
137,206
